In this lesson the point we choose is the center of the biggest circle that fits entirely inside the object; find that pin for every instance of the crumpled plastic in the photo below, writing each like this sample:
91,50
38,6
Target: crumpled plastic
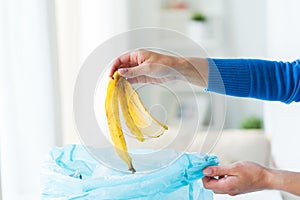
73,173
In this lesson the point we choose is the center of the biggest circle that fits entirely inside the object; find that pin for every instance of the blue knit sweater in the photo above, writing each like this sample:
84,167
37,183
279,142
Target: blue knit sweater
261,79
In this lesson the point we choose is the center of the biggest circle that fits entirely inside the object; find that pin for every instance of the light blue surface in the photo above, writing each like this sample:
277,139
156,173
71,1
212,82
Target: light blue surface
180,180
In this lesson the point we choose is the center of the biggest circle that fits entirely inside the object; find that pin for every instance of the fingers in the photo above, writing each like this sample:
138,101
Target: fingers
238,178
215,177
217,171
140,70
144,67
147,79
222,179
223,185
142,79
211,183
124,61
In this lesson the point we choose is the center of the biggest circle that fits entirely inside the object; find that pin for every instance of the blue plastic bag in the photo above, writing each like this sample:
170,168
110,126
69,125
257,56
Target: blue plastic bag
74,173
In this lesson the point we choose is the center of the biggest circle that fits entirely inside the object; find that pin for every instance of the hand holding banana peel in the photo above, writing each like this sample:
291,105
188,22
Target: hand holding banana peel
137,118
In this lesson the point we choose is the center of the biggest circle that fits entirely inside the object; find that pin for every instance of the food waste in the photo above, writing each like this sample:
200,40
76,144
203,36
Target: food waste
140,122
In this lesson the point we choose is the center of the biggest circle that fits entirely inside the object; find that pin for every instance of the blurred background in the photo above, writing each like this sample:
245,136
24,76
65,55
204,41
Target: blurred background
44,43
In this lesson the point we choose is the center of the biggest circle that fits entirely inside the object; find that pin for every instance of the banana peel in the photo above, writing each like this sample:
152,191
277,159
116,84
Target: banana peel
137,118
114,124
148,124
124,102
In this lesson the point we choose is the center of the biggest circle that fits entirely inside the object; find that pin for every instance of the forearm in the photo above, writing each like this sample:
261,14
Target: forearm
261,79
284,180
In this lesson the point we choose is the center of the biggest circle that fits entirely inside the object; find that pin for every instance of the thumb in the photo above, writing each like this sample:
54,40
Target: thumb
134,71
216,171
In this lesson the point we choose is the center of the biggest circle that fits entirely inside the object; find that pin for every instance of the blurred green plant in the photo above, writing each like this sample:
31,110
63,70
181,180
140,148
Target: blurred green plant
252,122
198,16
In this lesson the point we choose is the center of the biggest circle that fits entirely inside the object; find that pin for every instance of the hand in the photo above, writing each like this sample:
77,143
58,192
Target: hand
238,178
149,67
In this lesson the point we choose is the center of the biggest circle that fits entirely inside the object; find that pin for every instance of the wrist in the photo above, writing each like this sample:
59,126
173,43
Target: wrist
194,70
272,179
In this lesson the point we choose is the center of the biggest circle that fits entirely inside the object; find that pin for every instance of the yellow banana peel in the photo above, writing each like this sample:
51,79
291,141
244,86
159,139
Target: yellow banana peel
114,124
148,124
124,102
137,118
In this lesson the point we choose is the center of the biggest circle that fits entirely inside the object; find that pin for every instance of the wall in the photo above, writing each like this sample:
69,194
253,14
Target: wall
245,36
282,121
283,29
245,28
282,124
0,183
143,13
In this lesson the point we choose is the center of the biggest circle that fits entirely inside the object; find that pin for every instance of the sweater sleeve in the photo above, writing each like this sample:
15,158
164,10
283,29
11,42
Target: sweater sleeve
260,79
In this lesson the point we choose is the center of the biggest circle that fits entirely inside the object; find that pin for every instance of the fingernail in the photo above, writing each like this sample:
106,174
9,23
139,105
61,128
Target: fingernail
122,71
207,172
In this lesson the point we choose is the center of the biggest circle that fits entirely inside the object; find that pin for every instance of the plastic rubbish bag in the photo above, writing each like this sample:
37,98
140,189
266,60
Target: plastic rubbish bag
73,173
